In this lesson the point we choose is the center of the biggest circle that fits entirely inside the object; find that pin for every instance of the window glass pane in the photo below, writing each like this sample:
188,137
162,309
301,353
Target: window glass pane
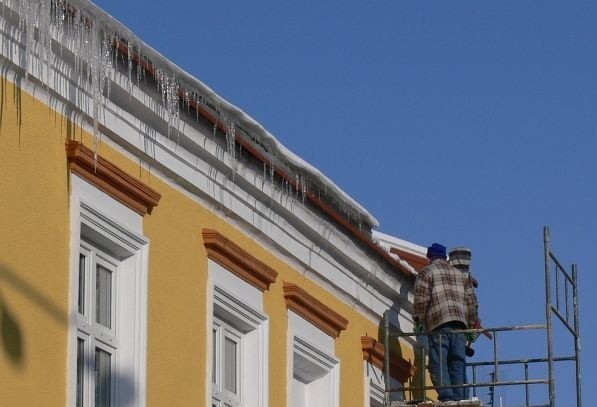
103,300
103,377
214,346
230,365
80,370
81,284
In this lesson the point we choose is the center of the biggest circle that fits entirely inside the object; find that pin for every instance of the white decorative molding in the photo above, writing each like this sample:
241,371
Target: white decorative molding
105,222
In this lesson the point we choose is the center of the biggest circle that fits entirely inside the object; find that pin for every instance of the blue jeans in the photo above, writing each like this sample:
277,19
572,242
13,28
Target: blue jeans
447,364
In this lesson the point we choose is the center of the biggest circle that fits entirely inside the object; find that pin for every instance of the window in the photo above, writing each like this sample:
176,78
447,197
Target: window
314,367
239,342
107,348
96,336
375,383
314,376
227,364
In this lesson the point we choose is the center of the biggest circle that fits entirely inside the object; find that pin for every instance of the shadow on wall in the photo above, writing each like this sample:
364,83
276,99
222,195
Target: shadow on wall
12,337
395,344
12,341
118,386
16,96
11,333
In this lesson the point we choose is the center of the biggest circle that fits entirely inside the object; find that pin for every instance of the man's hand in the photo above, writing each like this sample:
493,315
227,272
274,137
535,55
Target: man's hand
471,337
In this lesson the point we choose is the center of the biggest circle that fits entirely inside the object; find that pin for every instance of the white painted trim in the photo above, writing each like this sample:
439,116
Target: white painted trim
302,328
255,325
374,383
327,386
314,354
233,304
123,230
208,329
318,349
235,286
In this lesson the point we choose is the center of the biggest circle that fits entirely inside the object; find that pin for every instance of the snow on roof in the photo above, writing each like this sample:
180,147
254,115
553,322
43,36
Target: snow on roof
387,243
228,113
400,244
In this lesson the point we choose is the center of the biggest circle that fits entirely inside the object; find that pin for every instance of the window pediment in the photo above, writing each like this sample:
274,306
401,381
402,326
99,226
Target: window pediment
313,310
106,176
374,353
237,260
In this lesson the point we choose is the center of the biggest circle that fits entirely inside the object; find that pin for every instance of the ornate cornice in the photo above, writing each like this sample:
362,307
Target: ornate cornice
313,310
109,178
374,353
231,256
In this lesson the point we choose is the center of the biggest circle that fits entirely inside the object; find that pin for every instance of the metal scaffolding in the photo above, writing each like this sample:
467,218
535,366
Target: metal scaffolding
561,300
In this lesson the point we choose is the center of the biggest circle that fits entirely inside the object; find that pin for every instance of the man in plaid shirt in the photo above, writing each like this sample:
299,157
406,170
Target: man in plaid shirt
445,301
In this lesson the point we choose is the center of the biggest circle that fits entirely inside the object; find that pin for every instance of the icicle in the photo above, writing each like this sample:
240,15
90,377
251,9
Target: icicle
271,169
139,65
60,11
218,117
169,89
231,138
230,129
29,10
297,183
129,55
76,42
94,69
187,101
44,39
107,62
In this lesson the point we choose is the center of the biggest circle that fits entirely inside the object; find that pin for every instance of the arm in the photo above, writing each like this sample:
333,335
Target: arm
422,296
472,306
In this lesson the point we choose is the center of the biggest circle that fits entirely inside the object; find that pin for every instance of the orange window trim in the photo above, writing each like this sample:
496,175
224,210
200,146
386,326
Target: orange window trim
237,260
106,176
313,310
374,353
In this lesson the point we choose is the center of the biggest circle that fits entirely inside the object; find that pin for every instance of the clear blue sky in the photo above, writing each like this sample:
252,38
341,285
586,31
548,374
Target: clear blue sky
464,122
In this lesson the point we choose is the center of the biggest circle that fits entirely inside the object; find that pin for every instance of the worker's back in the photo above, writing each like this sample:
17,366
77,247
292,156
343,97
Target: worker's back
448,292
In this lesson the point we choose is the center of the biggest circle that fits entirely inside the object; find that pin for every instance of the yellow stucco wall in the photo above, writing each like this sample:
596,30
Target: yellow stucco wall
34,275
34,251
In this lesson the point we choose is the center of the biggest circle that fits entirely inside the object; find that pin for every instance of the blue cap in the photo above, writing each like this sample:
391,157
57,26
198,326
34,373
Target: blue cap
436,251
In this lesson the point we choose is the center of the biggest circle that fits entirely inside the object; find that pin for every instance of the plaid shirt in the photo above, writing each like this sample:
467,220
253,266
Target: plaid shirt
443,294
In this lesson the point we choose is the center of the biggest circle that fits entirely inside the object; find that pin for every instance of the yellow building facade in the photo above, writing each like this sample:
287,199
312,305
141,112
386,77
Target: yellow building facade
159,247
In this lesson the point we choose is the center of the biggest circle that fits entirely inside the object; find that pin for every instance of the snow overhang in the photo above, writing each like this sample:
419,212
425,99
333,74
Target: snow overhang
304,177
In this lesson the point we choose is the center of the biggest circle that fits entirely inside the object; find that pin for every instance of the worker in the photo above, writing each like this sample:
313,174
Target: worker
460,257
444,302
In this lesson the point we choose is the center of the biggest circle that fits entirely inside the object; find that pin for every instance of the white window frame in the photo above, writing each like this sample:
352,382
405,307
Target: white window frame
220,395
239,306
324,389
86,322
94,334
119,238
374,385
